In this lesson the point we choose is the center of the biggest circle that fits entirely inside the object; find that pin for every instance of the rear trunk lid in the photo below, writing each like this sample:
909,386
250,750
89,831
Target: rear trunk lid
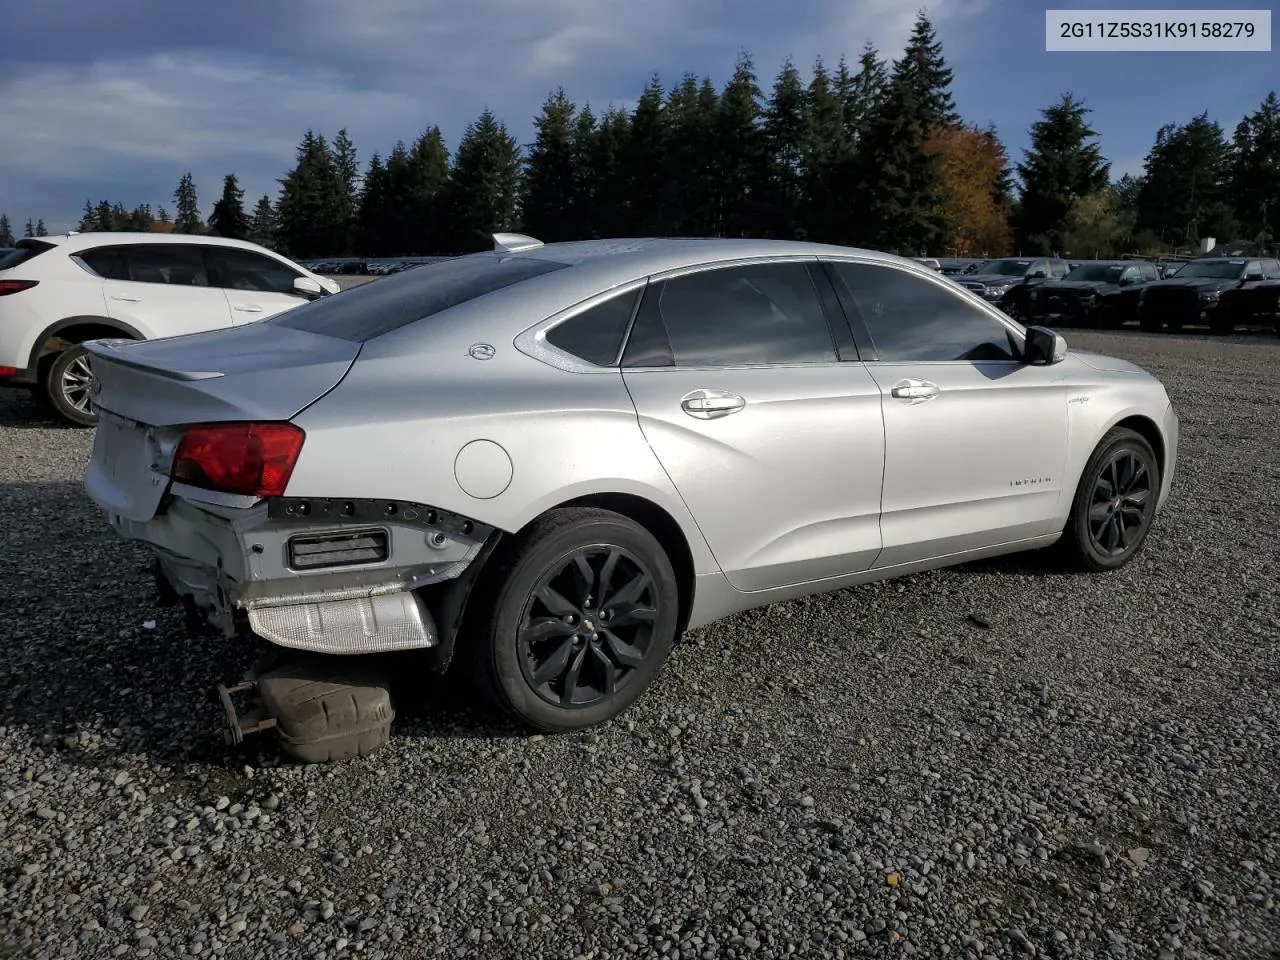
147,392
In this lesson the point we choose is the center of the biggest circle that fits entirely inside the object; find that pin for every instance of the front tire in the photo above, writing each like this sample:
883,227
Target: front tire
584,606
66,386
1149,324
1114,503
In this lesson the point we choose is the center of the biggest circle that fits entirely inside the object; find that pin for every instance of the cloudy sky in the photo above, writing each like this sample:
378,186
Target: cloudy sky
118,99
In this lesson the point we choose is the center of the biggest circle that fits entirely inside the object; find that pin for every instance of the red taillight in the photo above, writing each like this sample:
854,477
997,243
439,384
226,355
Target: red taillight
249,458
15,286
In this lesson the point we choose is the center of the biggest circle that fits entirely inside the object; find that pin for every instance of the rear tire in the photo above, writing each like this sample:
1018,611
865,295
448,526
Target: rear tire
66,386
1150,324
1114,503
559,653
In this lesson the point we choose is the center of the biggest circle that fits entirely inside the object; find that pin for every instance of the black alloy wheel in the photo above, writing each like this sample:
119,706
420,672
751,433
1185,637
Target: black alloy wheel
1114,504
587,626
573,619
1118,512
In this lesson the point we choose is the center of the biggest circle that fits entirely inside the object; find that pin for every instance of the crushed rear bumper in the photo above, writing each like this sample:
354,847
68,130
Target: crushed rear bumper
329,576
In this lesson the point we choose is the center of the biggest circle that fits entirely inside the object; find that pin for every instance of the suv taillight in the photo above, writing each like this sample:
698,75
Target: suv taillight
247,458
15,286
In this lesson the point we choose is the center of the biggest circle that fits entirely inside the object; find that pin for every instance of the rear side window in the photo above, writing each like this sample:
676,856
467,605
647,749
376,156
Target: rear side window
173,264
595,335
1149,272
246,270
389,303
733,316
26,250
107,262
1271,269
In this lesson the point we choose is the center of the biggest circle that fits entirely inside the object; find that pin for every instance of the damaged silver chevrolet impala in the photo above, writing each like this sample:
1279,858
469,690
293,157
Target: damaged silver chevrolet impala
557,458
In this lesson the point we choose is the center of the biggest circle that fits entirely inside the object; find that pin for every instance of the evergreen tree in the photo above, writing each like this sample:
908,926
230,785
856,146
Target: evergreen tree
262,227
424,221
739,155
1184,192
483,184
549,183
1254,171
88,219
924,72
826,161
140,218
30,230
609,174
188,218
347,164
581,216
897,202
372,216
311,214
106,217
228,218
162,215
862,92
1062,164
40,230
397,199
689,125
644,163
785,129
6,231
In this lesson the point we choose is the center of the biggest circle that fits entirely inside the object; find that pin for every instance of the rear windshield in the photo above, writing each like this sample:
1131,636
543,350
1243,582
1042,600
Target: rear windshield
388,303
26,250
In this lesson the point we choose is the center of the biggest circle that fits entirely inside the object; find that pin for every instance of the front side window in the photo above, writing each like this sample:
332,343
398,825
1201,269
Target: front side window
1253,271
1271,269
175,264
595,335
246,270
911,319
1102,272
1058,270
733,316
1130,275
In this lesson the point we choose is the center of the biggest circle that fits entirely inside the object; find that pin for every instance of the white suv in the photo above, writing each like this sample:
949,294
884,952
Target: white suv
58,292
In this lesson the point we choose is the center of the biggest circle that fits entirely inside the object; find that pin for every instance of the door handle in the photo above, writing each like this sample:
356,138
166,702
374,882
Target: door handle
711,404
249,308
914,391
126,299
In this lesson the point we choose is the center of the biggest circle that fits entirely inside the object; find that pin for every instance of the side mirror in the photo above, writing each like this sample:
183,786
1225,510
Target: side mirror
308,287
1044,347
1251,277
1037,274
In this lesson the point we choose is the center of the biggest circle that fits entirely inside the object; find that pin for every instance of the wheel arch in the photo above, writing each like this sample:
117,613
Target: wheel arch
78,329
449,601
1149,430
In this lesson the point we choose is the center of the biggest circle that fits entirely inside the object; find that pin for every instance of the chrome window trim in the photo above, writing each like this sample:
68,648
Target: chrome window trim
532,342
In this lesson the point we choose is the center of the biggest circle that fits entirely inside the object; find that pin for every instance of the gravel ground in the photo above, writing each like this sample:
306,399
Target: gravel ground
992,761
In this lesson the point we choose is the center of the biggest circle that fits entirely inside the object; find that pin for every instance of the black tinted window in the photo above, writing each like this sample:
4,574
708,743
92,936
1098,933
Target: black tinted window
595,335
25,251
107,262
179,264
246,270
388,303
1149,272
1058,270
767,313
1271,269
910,318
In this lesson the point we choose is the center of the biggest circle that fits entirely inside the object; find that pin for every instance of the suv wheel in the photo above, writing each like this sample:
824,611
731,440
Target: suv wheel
66,386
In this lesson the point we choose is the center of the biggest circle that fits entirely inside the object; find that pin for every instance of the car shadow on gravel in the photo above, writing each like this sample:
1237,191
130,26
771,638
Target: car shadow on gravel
93,666
20,411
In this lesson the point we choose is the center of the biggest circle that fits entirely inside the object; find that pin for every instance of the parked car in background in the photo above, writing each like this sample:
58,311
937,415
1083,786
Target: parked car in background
57,292
1101,294
1005,282
1193,295
957,266
1254,304
929,262
555,459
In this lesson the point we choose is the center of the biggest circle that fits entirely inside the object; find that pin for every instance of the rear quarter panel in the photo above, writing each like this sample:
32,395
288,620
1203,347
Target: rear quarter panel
396,425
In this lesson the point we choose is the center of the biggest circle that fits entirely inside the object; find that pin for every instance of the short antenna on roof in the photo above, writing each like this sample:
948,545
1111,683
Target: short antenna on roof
514,242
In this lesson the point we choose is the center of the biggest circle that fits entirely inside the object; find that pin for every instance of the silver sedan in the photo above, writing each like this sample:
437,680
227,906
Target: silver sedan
553,459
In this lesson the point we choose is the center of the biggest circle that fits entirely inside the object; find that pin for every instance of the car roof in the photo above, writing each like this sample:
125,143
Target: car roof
78,241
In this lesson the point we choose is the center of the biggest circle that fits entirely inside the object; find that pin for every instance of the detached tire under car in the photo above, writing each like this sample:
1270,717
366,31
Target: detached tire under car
574,621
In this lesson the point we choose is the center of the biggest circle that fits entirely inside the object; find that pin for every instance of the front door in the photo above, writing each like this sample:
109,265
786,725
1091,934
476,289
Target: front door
775,443
975,439
256,286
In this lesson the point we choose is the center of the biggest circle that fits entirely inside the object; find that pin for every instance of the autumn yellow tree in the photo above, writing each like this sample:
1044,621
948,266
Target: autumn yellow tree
971,164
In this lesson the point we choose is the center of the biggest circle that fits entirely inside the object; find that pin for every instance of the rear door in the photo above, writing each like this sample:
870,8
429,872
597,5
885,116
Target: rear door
256,286
160,289
759,411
